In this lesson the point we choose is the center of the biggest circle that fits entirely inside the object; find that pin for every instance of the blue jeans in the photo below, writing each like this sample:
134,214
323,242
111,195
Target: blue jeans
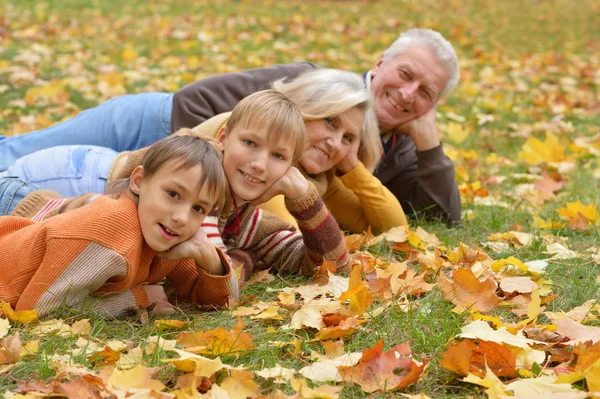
70,170
12,190
122,123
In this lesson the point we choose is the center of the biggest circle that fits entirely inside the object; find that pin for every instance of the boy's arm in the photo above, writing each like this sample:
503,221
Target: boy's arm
196,285
43,204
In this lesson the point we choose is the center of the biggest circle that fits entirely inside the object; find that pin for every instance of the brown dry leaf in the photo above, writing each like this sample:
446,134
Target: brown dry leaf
518,284
216,342
169,324
575,331
321,276
467,357
105,357
262,276
11,349
587,353
357,241
345,328
411,283
544,335
467,291
358,293
379,370
22,316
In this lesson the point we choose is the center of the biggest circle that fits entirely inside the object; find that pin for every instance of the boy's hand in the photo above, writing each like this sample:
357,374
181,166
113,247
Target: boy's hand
156,294
292,185
199,248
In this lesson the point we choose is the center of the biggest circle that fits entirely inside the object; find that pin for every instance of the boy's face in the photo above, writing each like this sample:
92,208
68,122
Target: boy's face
251,162
172,205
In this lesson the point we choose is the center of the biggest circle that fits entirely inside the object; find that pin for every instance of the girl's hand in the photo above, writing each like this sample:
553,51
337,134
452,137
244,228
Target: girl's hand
199,248
351,160
156,294
292,185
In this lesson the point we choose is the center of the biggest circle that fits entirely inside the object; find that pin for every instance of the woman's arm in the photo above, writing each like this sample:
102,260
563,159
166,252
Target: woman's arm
358,200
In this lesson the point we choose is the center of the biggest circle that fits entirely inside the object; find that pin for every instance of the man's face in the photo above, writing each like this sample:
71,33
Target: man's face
251,162
407,86
172,204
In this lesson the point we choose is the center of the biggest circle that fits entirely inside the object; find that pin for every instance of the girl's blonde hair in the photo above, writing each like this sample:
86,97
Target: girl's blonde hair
189,151
325,93
275,112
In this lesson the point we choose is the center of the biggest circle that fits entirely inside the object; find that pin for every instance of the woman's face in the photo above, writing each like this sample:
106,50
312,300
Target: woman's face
329,140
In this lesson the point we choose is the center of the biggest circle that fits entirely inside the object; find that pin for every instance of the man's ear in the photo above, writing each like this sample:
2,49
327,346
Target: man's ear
376,67
135,181
221,138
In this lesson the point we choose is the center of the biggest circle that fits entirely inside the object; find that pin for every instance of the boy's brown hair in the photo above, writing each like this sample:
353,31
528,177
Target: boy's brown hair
190,151
277,113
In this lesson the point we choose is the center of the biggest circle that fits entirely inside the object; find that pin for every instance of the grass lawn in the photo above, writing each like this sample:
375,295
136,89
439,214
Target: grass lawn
528,106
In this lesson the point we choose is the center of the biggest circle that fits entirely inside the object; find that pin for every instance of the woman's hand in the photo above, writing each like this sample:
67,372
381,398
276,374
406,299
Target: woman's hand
199,248
292,185
351,160
156,294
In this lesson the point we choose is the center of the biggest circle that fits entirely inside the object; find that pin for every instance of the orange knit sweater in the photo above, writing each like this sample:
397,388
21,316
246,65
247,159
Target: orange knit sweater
97,250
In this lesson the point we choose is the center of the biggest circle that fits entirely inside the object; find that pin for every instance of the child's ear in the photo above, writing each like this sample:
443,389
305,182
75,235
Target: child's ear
135,181
221,138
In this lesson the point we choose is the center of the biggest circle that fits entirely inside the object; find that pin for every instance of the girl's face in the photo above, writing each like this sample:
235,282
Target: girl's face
330,140
251,162
172,205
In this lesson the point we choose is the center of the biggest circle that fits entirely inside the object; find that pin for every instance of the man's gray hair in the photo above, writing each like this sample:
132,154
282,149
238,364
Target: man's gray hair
441,47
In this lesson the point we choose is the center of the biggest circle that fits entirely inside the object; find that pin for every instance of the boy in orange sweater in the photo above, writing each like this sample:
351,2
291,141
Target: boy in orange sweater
116,249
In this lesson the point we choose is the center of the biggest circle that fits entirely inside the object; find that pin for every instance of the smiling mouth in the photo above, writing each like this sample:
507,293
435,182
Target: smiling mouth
168,231
320,151
395,104
250,178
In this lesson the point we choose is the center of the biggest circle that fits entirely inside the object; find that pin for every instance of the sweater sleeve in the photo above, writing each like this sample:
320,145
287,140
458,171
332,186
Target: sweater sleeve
358,200
281,247
120,304
70,271
198,286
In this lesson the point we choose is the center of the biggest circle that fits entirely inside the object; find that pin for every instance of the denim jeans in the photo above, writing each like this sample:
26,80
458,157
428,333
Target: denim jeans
122,123
12,190
70,170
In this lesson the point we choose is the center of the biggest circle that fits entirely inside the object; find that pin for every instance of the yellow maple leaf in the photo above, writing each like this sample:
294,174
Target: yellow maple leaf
579,216
139,377
535,151
22,316
169,324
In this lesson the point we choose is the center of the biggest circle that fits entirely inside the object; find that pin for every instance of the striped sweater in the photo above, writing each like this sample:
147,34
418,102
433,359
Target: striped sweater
95,252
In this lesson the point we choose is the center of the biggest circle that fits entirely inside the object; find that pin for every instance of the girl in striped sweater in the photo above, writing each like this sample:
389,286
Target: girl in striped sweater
116,249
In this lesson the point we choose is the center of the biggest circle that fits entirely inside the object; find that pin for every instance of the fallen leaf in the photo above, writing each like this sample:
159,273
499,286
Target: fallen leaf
467,357
467,291
219,341
22,316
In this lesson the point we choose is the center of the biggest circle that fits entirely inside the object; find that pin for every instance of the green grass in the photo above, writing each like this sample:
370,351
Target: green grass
514,58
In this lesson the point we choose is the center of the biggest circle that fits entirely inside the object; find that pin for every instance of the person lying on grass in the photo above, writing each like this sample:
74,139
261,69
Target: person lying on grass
117,248
263,139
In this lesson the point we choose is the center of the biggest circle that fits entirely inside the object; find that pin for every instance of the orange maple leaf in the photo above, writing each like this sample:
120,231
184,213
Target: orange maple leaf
467,291
389,370
219,341
467,357
358,293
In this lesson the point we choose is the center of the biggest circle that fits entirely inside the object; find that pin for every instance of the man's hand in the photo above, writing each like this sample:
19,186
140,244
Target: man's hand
422,130
351,160
292,185
199,248
156,294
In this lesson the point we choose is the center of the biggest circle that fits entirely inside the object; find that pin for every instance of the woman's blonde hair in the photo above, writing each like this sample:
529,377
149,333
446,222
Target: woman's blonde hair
277,113
325,93
189,151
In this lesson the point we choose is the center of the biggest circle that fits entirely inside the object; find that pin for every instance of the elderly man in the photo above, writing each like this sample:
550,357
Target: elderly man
417,70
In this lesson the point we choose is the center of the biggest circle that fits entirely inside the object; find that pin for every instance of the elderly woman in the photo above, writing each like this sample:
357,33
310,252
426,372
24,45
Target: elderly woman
342,149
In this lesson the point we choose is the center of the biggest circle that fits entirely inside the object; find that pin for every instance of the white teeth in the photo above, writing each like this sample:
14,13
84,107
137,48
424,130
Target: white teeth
321,151
253,180
169,231
395,104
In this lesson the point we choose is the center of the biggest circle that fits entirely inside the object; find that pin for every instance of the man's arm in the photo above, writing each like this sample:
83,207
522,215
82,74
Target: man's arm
214,95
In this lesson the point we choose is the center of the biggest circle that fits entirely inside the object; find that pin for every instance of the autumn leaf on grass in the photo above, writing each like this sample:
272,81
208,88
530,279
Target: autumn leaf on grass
107,356
345,328
550,183
535,151
357,241
586,354
377,371
494,388
4,327
240,385
22,316
358,293
139,377
219,341
467,357
579,216
169,324
575,331
467,291
200,365
328,369
324,391
11,349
